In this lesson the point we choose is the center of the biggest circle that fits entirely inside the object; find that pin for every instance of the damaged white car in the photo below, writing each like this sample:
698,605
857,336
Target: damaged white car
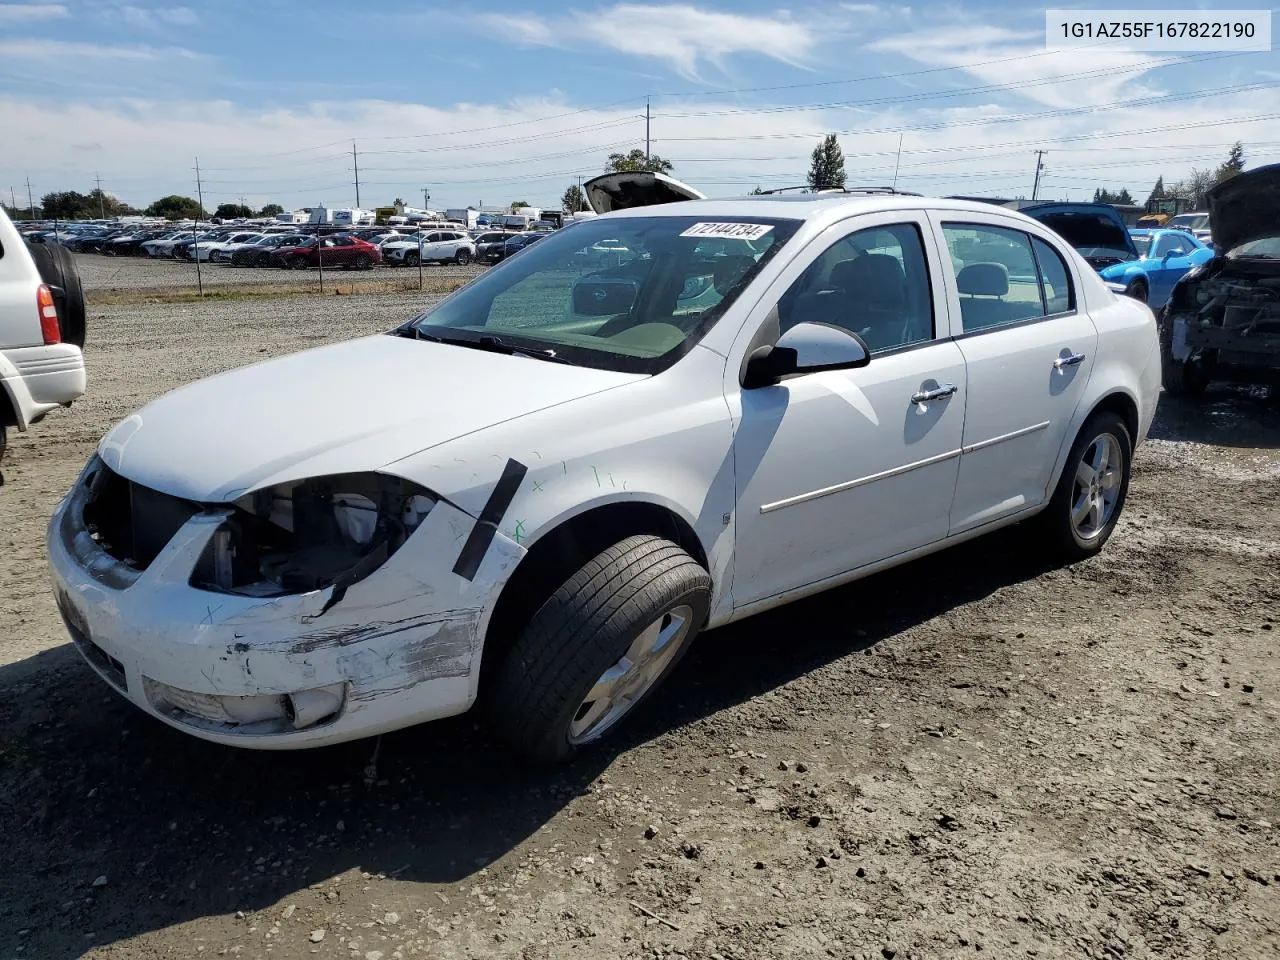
539,491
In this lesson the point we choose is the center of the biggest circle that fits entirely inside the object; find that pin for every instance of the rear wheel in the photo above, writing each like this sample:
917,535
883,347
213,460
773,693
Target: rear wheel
462,257
601,643
1090,495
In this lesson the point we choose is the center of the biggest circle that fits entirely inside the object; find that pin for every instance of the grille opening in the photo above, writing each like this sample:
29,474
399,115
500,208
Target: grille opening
131,522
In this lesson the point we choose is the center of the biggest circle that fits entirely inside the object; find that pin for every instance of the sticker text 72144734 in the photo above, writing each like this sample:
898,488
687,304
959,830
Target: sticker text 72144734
729,231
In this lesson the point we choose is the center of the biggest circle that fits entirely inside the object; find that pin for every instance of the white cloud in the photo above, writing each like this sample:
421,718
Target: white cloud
31,48
681,34
1024,67
525,150
153,18
30,12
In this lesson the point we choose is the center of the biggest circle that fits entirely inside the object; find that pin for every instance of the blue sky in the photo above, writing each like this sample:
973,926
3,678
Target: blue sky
489,103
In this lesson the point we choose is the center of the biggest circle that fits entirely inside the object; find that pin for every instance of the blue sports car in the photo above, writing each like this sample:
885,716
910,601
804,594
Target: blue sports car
1163,257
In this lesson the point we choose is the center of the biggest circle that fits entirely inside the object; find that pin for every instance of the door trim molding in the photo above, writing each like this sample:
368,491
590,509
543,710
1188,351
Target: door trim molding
860,481
1013,435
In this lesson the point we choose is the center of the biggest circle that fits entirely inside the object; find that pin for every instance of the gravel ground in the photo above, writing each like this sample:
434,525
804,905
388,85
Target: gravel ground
122,274
974,755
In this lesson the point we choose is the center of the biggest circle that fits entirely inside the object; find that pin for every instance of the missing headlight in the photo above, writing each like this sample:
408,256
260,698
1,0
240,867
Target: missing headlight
311,534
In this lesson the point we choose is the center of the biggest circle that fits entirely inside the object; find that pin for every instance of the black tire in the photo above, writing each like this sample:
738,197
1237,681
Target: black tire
298,263
57,268
1138,290
411,259
1062,534
583,629
364,262
1181,378
463,257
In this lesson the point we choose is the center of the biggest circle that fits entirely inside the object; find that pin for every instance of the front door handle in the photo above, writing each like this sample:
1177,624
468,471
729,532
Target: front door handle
1068,361
936,393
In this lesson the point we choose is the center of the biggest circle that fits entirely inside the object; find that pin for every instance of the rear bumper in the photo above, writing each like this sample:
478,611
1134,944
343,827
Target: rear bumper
38,379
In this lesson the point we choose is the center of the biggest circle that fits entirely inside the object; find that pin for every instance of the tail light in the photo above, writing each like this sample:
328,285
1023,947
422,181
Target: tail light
48,315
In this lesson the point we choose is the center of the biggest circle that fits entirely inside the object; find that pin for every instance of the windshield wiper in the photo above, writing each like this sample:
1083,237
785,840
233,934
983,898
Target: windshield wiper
487,342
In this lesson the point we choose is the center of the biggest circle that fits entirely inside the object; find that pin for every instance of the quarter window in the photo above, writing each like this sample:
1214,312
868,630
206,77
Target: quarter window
874,282
1005,276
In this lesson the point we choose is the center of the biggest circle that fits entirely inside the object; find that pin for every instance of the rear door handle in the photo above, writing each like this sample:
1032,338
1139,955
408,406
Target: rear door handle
1070,361
936,393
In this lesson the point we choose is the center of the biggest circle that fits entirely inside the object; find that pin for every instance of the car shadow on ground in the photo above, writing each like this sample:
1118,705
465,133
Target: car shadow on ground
1226,416
171,828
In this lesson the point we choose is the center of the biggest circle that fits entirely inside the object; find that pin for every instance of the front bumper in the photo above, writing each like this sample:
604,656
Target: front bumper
402,646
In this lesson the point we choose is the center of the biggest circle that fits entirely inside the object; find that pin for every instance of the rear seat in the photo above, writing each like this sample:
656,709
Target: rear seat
982,287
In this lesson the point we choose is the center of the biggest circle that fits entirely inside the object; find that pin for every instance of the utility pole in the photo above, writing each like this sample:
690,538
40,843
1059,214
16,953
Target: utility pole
1035,189
102,201
355,161
646,130
426,197
31,206
13,204
196,244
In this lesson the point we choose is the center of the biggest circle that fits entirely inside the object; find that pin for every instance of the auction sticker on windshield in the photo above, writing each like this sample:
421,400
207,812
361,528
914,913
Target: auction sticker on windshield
729,231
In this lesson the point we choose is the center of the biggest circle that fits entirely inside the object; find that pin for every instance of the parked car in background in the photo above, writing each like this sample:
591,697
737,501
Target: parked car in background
130,244
212,251
332,251
1222,321
185,249
518,241
41,330
1197,223
163,246
853,394
436,246
489,245
261,254
1163,257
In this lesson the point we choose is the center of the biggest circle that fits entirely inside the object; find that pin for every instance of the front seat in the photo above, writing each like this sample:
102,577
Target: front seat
874,298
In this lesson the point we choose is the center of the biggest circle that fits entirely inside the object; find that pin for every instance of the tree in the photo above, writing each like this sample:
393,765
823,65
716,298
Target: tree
397,202
1103,195
271,210
175,207
574,200
1232,165
517,204
636,161
826,167
232,211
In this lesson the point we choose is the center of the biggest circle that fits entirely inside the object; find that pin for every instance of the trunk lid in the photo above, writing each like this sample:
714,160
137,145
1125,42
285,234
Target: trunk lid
642,188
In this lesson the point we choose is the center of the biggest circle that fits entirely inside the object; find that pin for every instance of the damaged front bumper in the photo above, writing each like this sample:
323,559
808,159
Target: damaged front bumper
400,647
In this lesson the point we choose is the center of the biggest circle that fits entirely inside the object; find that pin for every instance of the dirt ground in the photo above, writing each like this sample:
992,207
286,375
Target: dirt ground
974,755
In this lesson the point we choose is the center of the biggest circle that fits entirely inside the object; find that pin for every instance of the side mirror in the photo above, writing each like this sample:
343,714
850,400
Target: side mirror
805,348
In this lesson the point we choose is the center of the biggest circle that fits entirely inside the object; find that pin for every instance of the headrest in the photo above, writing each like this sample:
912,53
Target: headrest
984,280
876,278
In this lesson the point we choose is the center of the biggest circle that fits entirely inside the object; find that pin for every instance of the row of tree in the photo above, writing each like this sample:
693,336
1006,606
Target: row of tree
97,204
1191,189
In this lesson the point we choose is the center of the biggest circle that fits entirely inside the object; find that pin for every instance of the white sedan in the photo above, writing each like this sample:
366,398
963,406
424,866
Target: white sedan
212,250
557,476
436,246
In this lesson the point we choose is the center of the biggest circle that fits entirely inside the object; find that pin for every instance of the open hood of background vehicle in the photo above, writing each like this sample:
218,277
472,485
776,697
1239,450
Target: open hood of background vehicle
1086,226
1245,208
622,191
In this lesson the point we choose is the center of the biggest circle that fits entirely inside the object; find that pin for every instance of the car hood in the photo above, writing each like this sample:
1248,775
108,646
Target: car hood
1245,208
622,191
347,407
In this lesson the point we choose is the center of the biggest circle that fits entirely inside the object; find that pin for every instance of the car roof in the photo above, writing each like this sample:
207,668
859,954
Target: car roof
808,206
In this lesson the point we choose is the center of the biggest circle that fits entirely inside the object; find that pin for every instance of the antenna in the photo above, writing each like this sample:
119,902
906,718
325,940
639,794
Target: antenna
897,163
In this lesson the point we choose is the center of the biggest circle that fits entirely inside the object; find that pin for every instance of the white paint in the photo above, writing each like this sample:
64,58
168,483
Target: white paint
857,474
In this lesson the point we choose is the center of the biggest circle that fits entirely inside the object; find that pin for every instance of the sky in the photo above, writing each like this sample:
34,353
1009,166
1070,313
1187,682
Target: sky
485,104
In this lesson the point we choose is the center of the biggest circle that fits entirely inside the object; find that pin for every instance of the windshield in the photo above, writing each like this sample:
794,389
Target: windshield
1143,243
636,305
1191,221
1268,248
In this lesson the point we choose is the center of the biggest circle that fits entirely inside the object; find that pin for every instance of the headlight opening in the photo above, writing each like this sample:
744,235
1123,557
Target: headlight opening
311,534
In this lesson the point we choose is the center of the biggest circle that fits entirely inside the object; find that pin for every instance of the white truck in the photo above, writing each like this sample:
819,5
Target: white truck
41,330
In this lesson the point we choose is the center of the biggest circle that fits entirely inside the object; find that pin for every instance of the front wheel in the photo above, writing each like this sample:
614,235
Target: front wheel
411,259
298,263
1090,495
364,262
1180,378
598,647
1137,289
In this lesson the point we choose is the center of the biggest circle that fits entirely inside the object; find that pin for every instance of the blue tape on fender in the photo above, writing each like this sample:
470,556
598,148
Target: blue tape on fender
477,545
